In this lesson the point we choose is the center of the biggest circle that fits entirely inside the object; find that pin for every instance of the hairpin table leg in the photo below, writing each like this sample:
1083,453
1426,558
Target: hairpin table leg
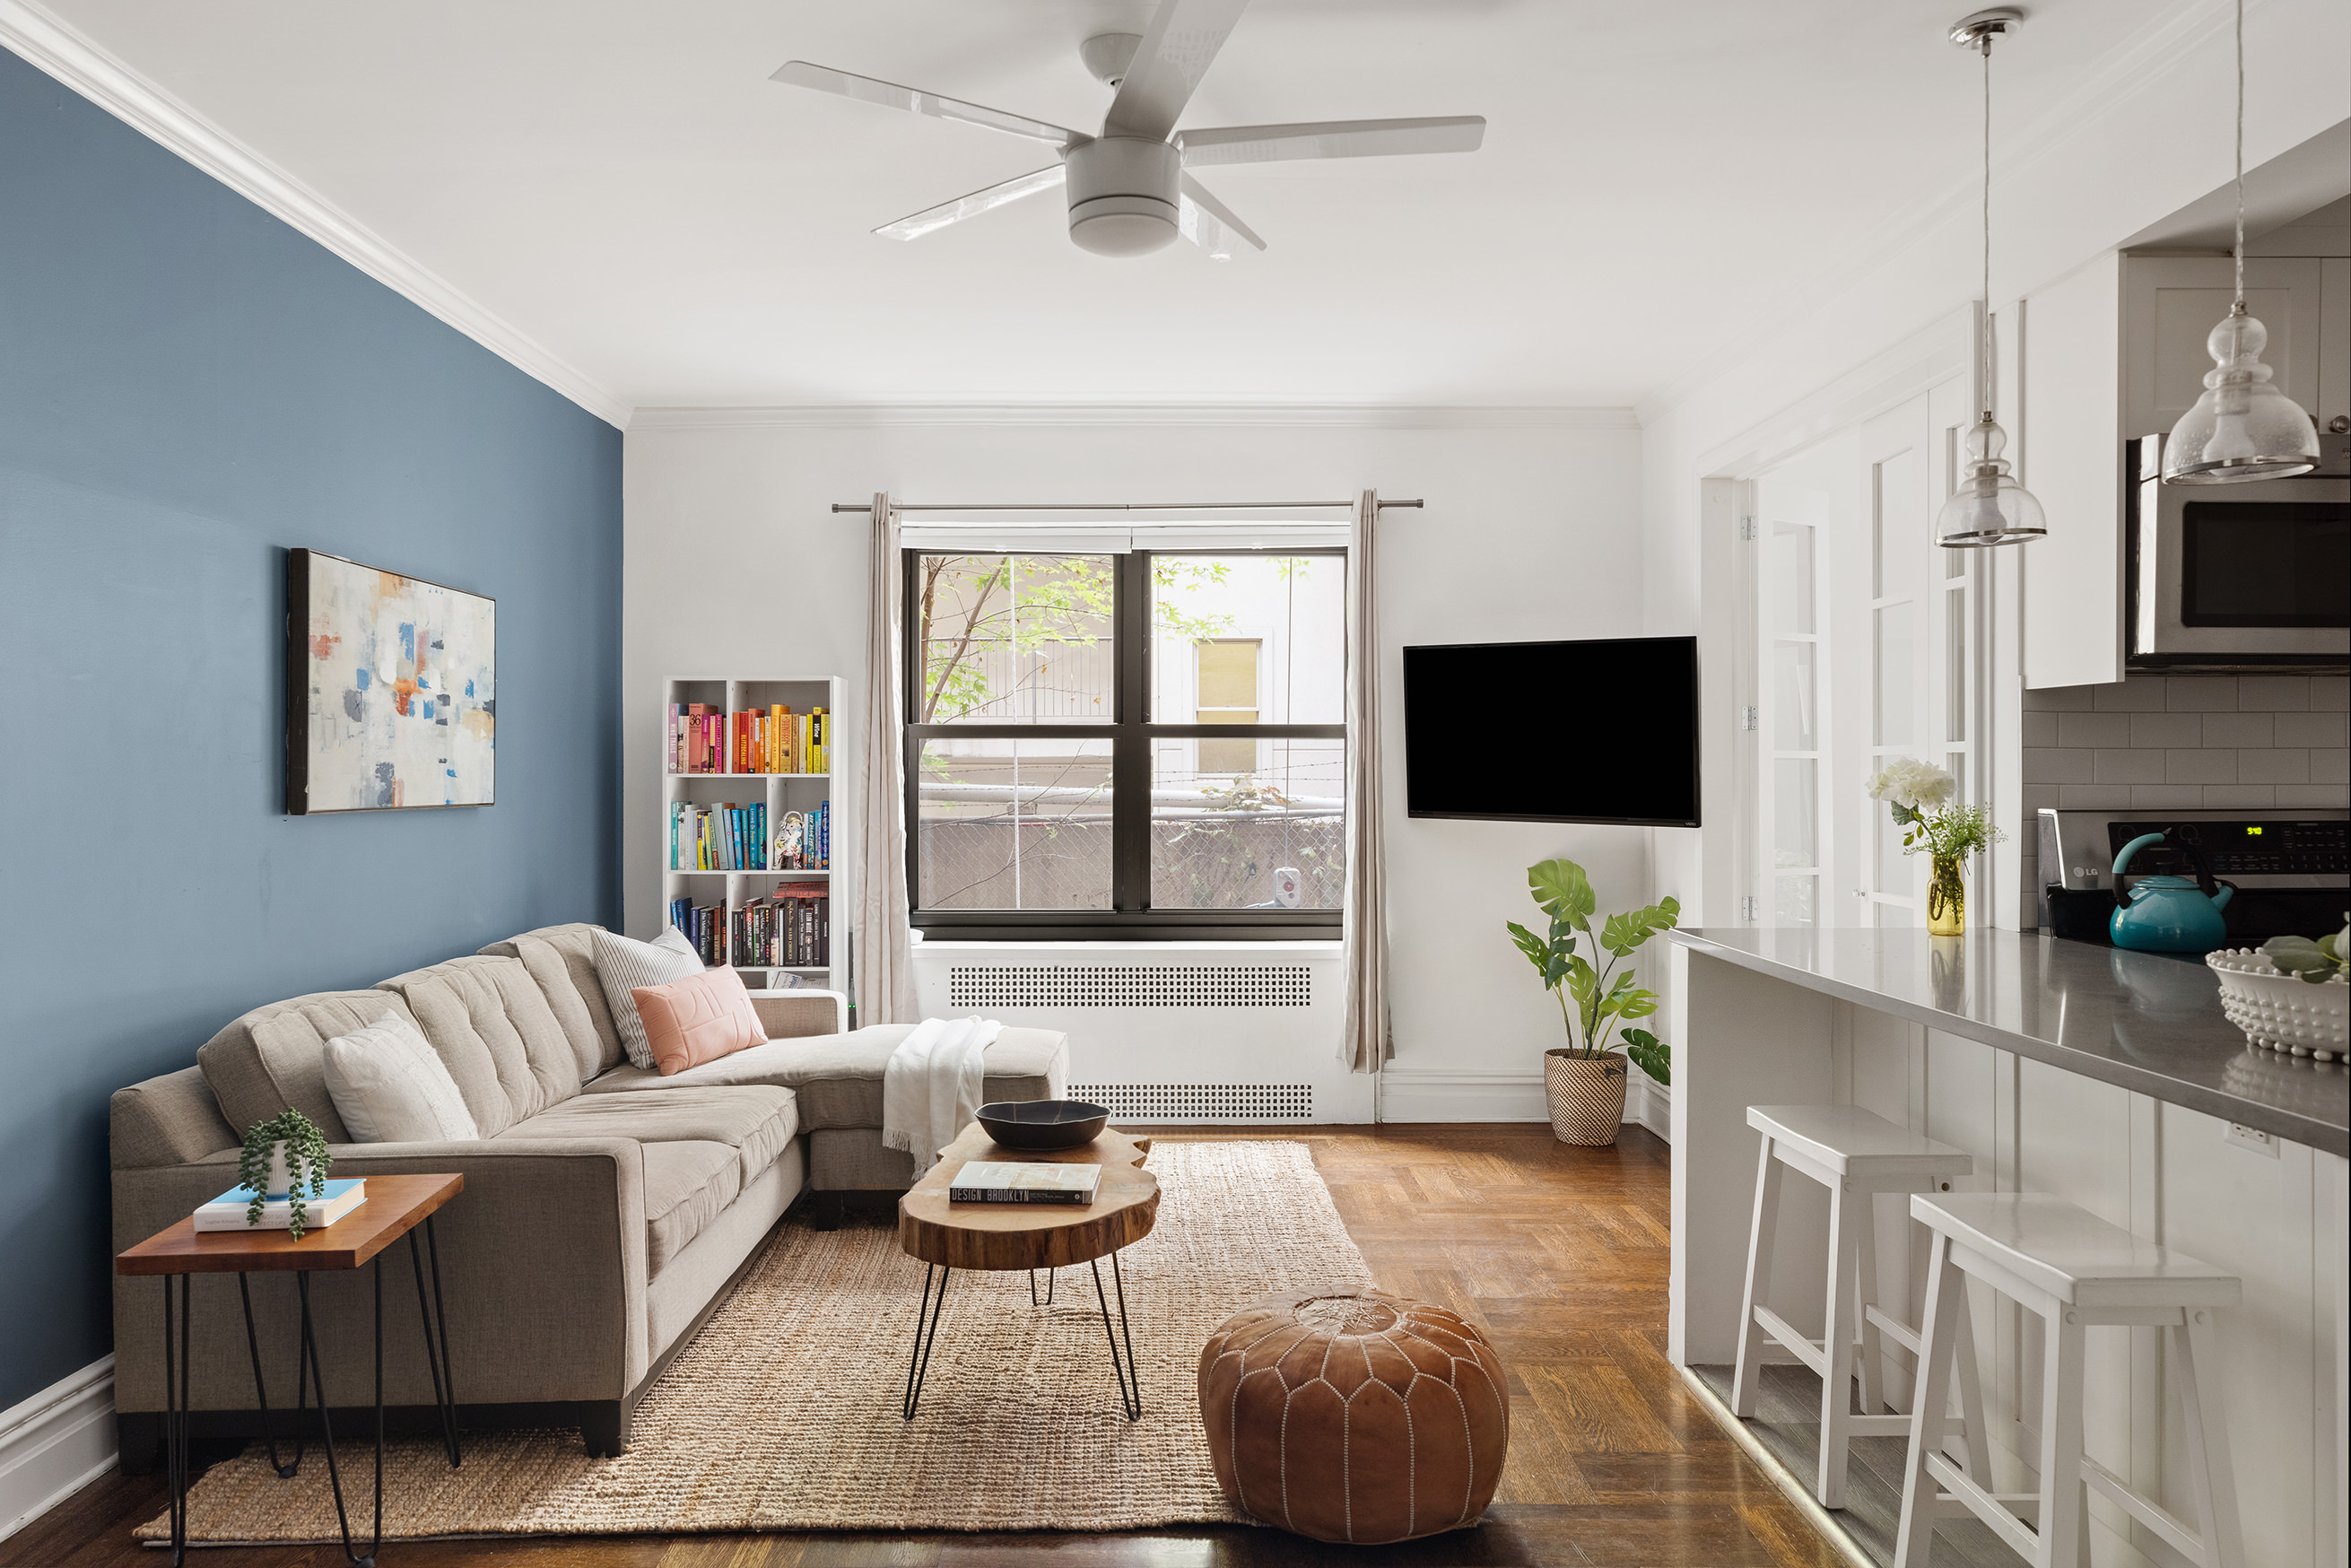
927,1335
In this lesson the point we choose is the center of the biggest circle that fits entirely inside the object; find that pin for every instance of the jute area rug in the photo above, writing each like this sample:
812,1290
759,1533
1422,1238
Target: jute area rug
783,1414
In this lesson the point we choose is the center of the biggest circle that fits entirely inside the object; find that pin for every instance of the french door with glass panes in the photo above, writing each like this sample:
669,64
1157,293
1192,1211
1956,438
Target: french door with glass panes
1867,643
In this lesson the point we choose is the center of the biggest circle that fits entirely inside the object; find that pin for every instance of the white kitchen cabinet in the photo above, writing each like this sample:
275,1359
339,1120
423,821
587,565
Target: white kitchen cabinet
2170,304
2116,350
2070,429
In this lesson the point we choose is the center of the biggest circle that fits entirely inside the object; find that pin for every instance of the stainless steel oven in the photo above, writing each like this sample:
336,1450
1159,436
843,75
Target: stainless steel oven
2254,576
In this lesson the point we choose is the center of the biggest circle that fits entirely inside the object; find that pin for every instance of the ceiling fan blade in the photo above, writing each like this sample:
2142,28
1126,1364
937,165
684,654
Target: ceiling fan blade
1330,138
890,95
914,225
1176,53
1209,222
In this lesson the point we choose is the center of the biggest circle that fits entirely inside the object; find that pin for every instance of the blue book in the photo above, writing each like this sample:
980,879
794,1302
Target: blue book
231,1210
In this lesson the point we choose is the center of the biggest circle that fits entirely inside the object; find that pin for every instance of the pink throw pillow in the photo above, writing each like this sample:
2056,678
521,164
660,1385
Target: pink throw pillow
699,1018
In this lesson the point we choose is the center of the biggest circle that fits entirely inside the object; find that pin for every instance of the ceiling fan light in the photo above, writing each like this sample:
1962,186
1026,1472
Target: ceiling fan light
2243,427
1122,225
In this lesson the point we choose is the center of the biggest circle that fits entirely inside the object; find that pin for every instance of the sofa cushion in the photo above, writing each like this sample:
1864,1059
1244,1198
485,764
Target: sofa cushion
697,1020
562,960
391,1086
492,1026
268,1060
838,1076
623,964
687,1185
757,1121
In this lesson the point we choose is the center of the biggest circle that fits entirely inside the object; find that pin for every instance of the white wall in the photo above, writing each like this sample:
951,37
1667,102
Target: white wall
736,565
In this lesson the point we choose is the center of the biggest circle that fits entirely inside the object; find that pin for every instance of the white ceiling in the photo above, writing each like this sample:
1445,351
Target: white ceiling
622,184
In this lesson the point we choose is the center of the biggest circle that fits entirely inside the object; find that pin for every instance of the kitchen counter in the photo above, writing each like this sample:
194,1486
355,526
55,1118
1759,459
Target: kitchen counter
2148,1023
2109,1079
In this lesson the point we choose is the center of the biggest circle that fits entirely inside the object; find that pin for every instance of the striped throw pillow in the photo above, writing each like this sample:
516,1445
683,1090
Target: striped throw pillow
622,964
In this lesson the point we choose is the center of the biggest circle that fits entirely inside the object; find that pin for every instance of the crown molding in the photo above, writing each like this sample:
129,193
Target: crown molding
88,69
2131,71
1114,415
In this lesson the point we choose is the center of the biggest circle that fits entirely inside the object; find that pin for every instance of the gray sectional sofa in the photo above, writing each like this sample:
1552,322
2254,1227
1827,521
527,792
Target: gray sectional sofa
607,1209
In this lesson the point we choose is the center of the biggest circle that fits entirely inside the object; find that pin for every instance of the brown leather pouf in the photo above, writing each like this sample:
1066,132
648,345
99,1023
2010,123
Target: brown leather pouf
1349,1416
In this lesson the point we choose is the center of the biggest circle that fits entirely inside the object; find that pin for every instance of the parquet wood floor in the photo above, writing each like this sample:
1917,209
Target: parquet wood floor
1558,1252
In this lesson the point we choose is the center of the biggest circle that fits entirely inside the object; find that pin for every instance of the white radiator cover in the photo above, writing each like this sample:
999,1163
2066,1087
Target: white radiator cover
1218,1033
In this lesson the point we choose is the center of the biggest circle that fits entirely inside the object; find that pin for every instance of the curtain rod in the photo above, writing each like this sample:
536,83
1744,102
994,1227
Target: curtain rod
867,507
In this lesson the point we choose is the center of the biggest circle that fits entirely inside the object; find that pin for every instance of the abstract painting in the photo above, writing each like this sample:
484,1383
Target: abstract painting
391,690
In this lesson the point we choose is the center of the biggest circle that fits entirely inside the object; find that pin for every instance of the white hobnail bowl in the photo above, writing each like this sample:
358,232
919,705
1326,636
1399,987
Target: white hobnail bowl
2279,1011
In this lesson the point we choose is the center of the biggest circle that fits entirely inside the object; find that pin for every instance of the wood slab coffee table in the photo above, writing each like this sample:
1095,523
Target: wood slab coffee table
1002,1238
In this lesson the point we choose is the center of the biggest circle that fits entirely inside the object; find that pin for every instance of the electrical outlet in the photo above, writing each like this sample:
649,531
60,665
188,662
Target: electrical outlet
2251,1138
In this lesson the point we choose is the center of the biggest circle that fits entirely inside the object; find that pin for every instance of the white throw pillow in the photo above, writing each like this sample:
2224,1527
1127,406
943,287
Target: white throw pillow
391,1087
622,964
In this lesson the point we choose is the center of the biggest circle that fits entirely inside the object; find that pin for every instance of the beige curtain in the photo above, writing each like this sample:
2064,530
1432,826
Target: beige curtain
885,954
1363,1044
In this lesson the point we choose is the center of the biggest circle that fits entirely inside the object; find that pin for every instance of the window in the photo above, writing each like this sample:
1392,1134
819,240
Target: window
1142,745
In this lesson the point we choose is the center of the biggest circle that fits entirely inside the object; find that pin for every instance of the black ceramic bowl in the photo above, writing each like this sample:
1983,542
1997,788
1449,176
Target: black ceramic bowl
1043,1124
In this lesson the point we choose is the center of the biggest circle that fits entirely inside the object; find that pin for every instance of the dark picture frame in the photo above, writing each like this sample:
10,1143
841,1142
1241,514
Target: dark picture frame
381,703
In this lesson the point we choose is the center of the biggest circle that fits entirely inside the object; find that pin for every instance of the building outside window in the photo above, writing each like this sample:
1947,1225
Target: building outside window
1139,744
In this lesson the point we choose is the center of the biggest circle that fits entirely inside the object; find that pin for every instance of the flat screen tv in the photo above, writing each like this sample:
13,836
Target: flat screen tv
1598,731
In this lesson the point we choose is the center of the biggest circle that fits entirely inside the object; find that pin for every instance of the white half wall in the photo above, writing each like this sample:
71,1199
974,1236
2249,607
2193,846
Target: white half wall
735,565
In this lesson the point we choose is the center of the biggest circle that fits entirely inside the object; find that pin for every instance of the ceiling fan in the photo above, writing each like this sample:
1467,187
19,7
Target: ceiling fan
1131,188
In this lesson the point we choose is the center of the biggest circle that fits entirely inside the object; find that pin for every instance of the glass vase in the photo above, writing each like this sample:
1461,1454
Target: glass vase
1947,899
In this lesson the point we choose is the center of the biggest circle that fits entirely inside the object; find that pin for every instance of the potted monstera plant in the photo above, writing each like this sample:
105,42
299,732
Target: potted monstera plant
1584,1081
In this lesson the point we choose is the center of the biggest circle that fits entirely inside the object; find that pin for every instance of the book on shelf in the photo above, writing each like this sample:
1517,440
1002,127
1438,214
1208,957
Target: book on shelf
774,739
231,1209
791,930
702,925
1020,1181
724,837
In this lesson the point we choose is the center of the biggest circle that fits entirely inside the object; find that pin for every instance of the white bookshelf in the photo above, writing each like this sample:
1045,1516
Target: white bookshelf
780,793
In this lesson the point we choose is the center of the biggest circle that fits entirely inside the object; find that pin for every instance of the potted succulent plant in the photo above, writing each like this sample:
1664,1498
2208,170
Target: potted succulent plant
283,1157
1584,1081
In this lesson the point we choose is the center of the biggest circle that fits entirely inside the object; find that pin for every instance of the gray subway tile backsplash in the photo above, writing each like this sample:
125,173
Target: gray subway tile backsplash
2186,741
2237,729
2094,729
2198,693
2159,730
2327,730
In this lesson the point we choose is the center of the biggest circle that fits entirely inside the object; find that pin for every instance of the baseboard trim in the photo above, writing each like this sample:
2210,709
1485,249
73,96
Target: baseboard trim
1442,1094
56,1443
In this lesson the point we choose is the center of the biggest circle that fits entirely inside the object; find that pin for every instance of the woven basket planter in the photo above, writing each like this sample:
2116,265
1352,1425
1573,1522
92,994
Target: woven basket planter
1585,1095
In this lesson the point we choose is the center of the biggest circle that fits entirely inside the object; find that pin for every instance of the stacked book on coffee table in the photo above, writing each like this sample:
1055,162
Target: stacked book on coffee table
1020,1181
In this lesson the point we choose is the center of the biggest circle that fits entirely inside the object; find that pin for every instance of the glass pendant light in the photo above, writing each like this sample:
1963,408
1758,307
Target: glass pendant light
2243,427
1988,507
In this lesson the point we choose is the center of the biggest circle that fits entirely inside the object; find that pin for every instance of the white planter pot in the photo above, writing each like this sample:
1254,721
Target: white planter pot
281,1180
2279,1011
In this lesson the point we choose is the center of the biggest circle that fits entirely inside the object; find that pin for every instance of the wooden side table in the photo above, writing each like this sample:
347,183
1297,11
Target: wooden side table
395,1206
1006,1236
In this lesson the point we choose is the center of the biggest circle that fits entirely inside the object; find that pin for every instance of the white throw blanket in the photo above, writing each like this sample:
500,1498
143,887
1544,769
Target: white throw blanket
932,1087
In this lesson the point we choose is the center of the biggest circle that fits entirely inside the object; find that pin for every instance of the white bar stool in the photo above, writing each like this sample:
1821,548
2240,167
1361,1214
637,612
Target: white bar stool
2075,1271
1855,1155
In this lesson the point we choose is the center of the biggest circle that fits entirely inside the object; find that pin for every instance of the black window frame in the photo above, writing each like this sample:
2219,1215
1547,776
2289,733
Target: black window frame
1131,733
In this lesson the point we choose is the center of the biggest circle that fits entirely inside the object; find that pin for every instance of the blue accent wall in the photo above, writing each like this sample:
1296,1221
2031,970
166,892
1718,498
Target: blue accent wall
189,388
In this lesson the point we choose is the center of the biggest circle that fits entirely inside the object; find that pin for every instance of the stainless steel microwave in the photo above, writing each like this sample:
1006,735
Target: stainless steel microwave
2256,576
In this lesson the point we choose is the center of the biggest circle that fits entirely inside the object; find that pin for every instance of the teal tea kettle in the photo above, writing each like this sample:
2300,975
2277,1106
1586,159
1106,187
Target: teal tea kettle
2169,913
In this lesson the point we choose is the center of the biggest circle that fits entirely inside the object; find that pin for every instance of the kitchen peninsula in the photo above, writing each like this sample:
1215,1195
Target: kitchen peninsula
2110,1078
